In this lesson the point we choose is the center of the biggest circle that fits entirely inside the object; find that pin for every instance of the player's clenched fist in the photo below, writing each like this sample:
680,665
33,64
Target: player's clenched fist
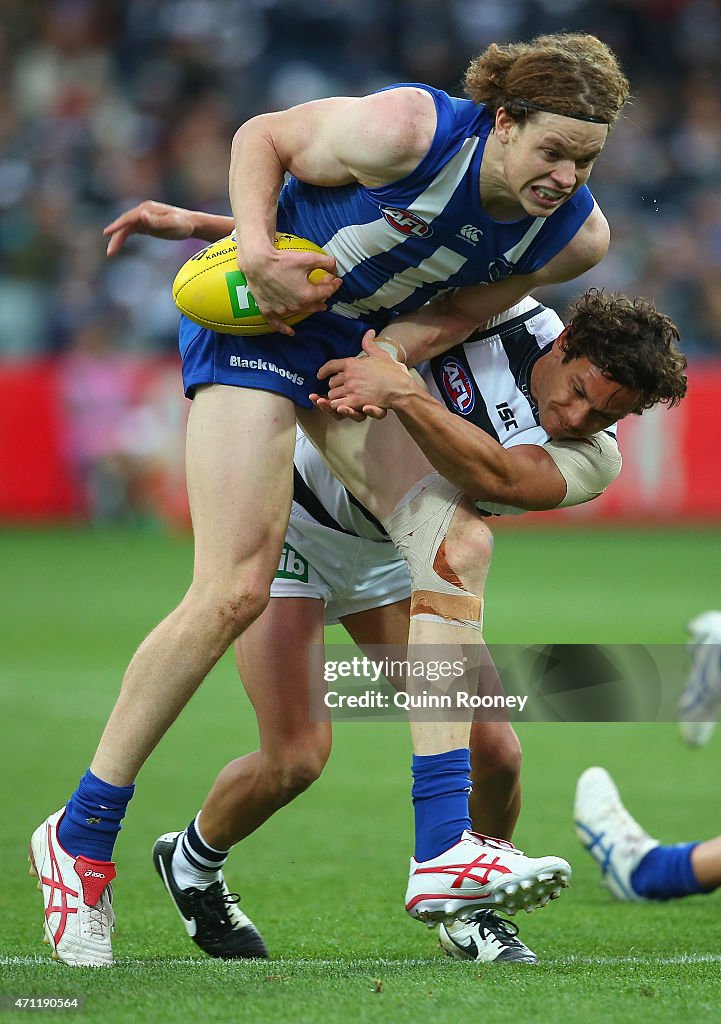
367,385
286,284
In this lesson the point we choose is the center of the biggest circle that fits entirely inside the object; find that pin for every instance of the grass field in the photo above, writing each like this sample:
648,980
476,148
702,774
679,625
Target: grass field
324,880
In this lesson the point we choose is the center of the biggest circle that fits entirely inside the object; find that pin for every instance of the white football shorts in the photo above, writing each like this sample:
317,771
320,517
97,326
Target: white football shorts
349,574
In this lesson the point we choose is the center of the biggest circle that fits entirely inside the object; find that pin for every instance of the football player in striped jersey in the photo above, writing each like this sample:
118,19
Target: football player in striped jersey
337,554
329,531
386,183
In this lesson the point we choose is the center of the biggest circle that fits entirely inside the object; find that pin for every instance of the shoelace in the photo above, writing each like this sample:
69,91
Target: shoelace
214,902
498,844
97,926
99,920
504,931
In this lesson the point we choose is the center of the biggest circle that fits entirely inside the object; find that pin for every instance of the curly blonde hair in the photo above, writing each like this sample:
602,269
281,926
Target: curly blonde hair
572,74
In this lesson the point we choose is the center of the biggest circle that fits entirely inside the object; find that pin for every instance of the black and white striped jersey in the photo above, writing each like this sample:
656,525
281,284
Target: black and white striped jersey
321,498
486,380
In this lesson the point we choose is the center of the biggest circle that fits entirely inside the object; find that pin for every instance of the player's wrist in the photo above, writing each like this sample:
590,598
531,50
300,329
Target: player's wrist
256,251
198,224
404,394
394,348
207,226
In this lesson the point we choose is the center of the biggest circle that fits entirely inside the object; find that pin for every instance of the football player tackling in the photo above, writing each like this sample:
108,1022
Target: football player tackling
388,184
329,532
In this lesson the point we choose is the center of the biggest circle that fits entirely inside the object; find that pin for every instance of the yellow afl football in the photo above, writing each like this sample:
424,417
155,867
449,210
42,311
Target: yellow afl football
211,291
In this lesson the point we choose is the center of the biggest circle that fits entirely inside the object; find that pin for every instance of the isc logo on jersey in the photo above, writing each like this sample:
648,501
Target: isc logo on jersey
458,386
406,222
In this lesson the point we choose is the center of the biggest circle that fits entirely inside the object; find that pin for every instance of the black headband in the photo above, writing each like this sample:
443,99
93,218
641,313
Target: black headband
527,105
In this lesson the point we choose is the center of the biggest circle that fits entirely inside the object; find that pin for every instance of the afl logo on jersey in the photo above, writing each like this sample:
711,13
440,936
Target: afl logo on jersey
458,386
406,222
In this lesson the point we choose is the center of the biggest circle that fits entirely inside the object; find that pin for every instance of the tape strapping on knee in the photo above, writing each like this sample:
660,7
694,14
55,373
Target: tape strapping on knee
463,608
418,526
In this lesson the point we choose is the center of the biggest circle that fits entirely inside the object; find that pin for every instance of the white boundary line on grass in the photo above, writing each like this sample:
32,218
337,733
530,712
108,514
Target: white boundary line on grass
567,961
605,961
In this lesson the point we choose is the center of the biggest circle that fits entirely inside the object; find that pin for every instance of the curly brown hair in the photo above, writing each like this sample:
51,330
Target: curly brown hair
631,342
572,74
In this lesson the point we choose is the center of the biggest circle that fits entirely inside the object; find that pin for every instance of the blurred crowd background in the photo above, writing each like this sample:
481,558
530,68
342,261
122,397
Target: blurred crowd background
104,103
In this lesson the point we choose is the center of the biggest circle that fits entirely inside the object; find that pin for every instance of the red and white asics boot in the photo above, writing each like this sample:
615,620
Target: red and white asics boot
482,872
77,896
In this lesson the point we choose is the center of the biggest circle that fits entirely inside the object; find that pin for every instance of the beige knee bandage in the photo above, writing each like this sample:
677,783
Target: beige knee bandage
418,526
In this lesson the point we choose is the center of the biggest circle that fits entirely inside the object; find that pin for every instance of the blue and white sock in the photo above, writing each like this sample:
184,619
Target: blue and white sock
92,818
196,865
441,784
666,872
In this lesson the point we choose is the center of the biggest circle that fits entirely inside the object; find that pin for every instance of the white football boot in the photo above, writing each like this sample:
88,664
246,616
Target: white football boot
482,872
77,896
485,938
612,837
698,705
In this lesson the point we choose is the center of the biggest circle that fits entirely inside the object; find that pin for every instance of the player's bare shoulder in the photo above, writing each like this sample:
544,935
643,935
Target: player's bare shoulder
590,243
396,128
587,248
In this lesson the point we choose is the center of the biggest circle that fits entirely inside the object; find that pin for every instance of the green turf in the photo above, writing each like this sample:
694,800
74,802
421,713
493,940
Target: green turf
324,879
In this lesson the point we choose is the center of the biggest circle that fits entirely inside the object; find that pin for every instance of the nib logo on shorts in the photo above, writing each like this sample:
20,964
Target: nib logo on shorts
292,565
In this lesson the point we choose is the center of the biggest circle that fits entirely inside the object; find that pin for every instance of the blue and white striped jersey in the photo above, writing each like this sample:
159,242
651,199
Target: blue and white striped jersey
486,380
398,246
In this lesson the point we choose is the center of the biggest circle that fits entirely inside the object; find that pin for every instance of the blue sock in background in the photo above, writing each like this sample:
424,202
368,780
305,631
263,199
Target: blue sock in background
441,784
666,872
92,818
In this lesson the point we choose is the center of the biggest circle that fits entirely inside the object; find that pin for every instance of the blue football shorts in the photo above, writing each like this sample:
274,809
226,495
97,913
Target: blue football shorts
269,362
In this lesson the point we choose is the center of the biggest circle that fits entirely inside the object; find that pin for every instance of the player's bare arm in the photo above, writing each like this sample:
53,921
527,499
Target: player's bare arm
164,221
452,318
587,248
373,140
525,476
437,326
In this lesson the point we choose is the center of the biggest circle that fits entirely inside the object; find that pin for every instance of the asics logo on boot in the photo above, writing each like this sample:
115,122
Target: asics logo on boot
57,886
95,877
478,870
